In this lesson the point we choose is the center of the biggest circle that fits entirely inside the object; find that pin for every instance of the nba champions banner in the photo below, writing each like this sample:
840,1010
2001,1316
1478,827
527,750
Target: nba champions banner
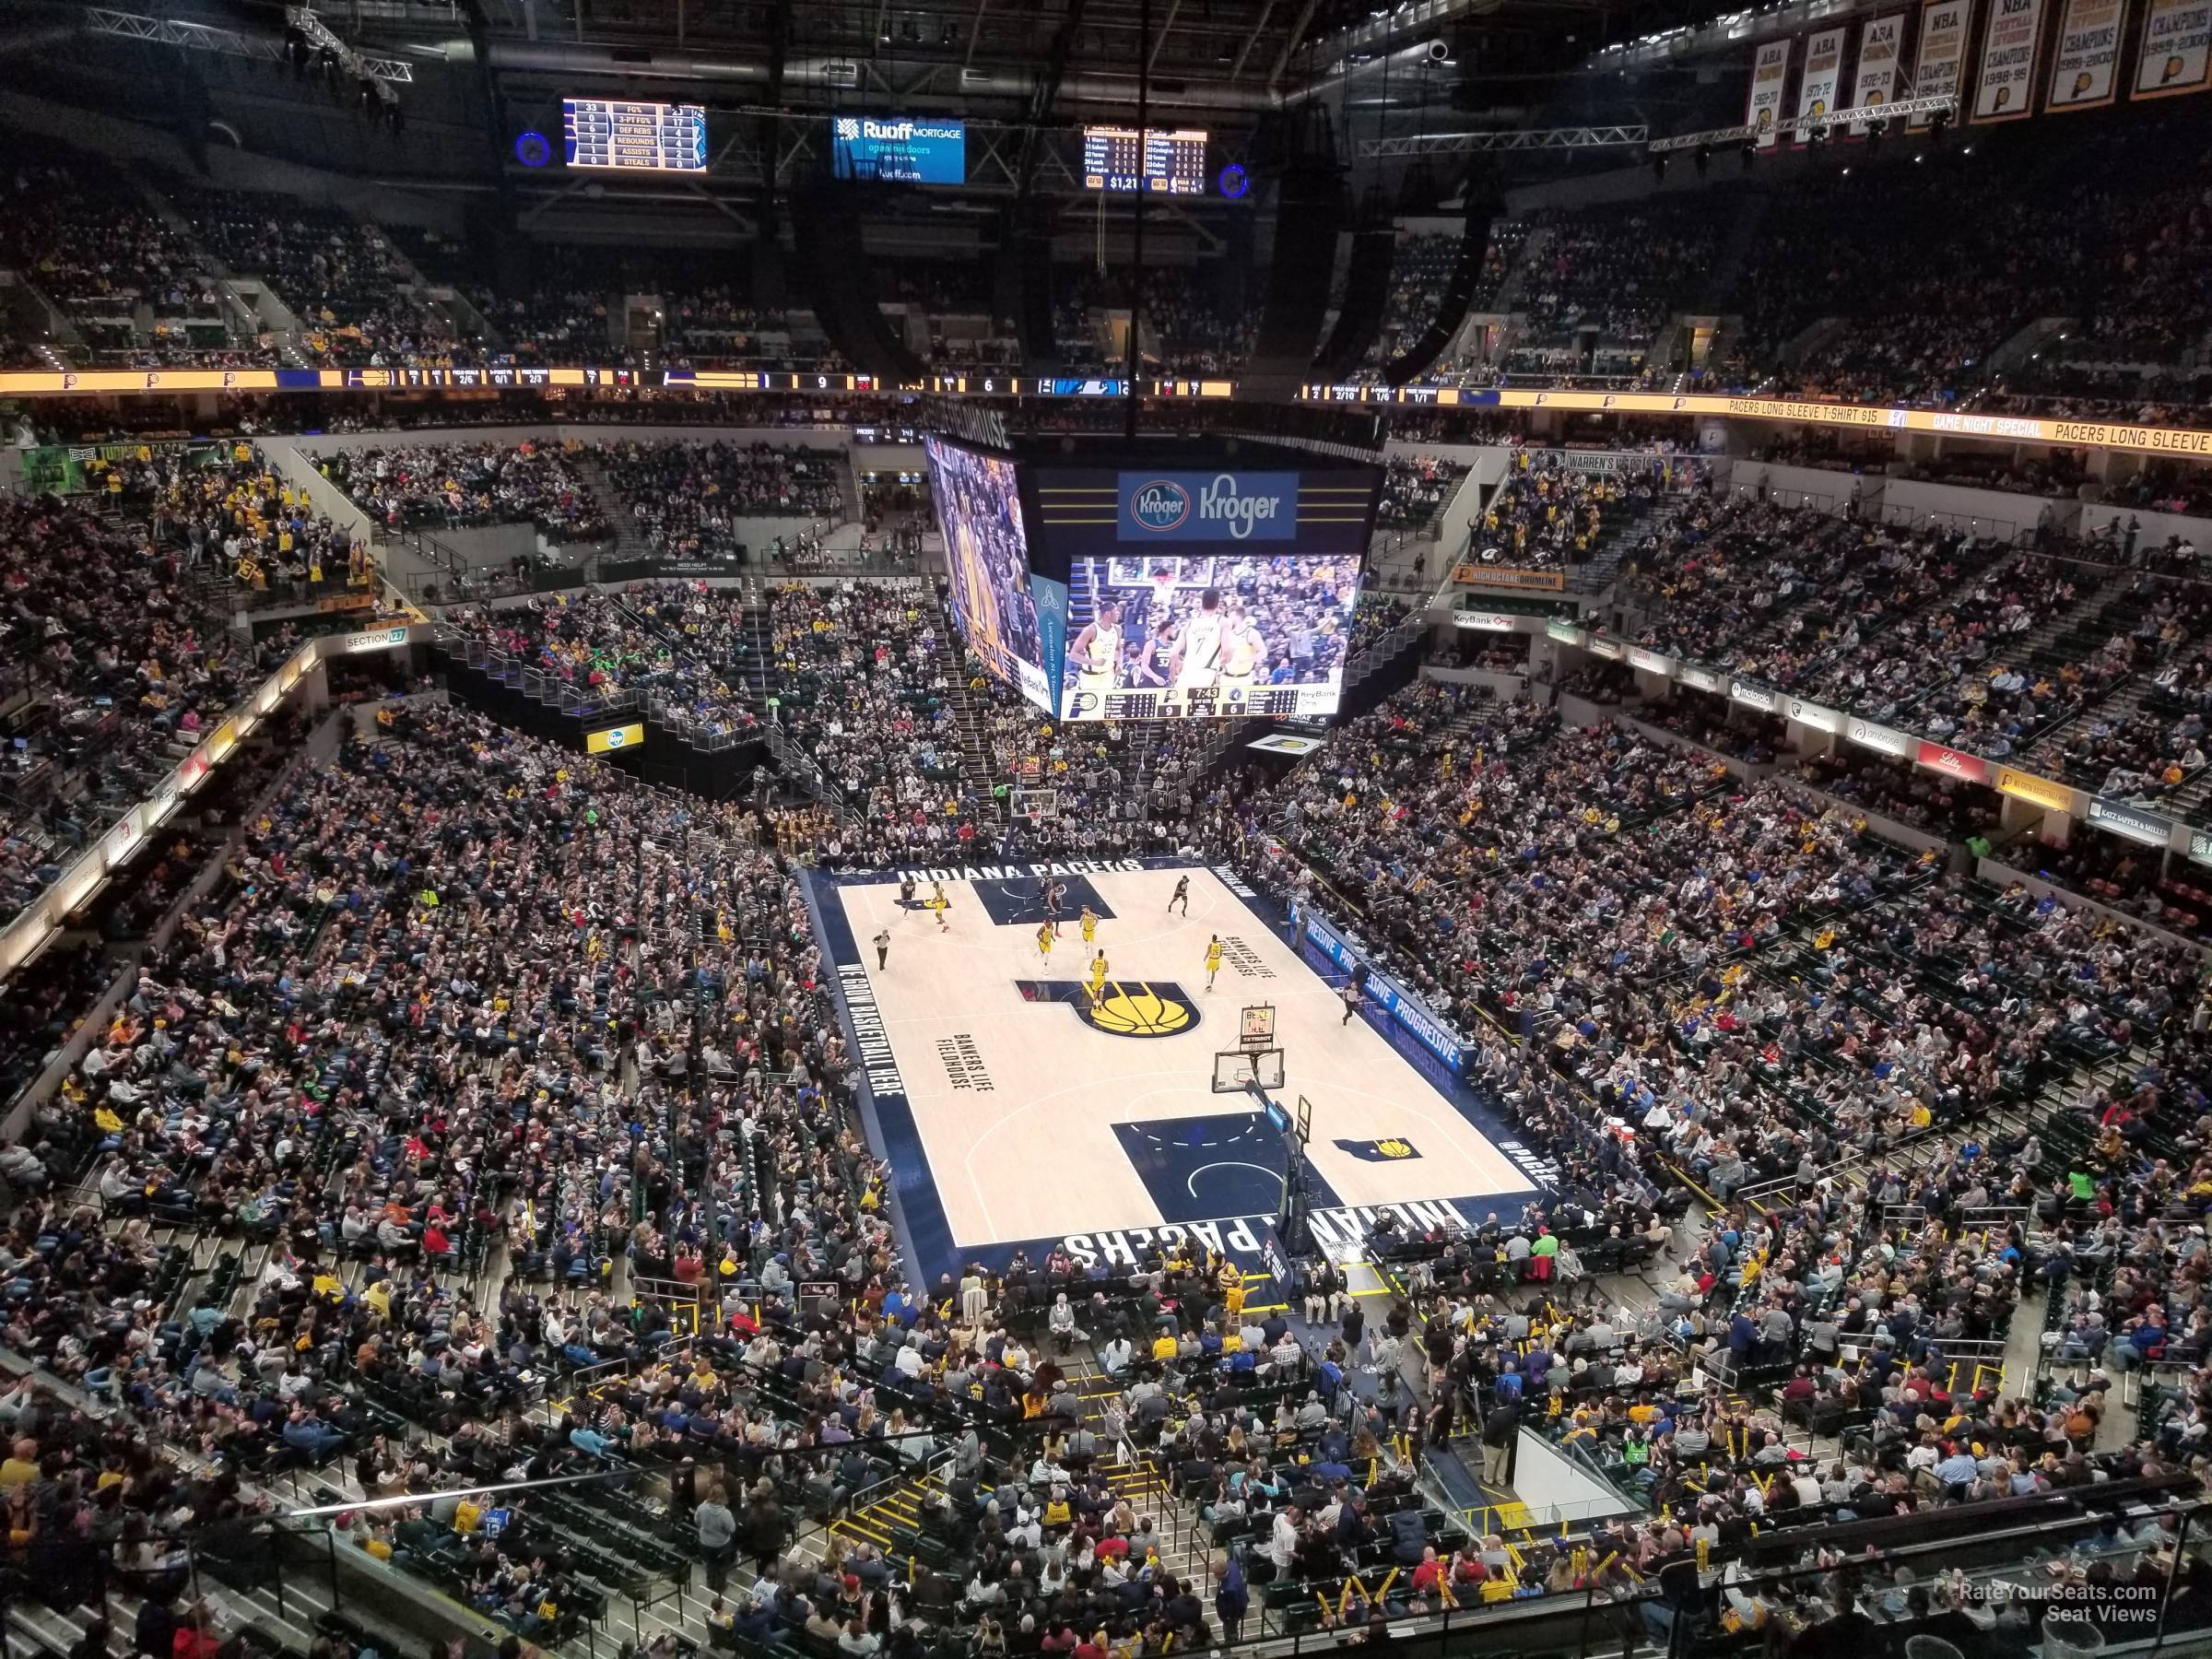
1942,56
2006,88
1880,44
2177,49
1823,73
2088,55
1770,69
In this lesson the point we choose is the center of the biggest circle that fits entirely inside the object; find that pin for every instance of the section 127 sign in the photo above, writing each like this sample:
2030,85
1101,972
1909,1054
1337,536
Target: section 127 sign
1188,507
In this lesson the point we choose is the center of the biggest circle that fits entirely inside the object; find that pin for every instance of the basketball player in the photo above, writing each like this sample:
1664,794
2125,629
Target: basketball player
939,902
1097,653
1243,653
1181,895
1213,960
1098,978
1196,661
906,891
1055,893
1044,941
1090,925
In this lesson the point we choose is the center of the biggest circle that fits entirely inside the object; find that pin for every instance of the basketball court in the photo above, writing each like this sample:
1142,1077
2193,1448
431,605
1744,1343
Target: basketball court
1018,1110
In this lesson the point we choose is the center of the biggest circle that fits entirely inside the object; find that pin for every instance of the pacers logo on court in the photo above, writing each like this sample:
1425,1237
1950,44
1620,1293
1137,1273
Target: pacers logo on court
1388,1149
1127,1009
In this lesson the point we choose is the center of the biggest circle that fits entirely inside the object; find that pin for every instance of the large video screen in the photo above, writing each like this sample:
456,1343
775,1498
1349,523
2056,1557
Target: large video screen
1162,163
649,137
899,149
1169,636
987,557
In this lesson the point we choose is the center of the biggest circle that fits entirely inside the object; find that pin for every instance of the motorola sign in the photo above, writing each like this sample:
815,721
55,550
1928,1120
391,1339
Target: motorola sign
1208,507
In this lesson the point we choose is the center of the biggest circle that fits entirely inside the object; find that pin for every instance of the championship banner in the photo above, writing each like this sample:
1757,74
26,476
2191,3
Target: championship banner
2082,76
1823,74
2005,91
2177,49
1770,69
1941,60
1881,42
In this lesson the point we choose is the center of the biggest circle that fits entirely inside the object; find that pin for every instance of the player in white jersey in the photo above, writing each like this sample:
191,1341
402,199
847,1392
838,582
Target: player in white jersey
1097,653
1198,652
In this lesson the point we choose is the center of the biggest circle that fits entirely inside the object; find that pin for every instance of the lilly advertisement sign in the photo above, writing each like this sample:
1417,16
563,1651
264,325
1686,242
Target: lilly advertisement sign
1206,507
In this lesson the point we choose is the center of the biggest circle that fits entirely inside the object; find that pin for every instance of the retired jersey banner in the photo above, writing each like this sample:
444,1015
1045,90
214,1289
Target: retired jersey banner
2005,91
1823,73
1941,61
2177,49
2082,76
1881,44
1770,69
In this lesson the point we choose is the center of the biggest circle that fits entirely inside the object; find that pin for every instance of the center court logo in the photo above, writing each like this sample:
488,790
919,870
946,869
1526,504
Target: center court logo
1128,1008
1159,505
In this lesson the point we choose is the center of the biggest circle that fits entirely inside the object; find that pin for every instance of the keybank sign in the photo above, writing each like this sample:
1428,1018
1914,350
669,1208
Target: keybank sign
1200,507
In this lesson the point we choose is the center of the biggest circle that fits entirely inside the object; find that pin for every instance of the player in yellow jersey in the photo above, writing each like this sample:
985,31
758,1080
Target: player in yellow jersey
1090,925
1243,653
1097,655
939,902
1044,941
1098,978
1213,960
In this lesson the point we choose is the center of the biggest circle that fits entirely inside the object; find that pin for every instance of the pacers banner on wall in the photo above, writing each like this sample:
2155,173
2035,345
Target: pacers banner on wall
2005,91
615,737
1823,74
1941,60
1770,70
2177,49
1881,43
2083,73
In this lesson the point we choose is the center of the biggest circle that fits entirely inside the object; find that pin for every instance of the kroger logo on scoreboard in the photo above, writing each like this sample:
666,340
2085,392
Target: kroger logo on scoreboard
1208,507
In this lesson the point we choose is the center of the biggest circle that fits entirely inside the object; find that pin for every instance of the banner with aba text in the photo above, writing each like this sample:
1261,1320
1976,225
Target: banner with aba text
2177,49
1881,44
1770,71
1940,66
1823,74
2005,91
2084,71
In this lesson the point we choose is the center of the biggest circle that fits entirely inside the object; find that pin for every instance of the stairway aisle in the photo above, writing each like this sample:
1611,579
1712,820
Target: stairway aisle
629,540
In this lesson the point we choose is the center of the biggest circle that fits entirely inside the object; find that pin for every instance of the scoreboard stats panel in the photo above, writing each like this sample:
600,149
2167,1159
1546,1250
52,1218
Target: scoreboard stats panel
1168,163
644,138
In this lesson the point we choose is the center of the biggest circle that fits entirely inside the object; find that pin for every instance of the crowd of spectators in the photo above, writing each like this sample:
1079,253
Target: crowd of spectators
121,665
690,499
350,289
469,486
1619,271
1416,490
1548,513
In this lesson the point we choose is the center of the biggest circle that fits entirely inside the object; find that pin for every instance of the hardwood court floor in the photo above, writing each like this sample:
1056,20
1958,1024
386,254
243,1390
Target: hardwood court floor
1035,1120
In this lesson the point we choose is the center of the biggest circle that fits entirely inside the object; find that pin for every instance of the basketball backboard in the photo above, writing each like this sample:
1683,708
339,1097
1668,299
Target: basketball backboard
1235,1071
